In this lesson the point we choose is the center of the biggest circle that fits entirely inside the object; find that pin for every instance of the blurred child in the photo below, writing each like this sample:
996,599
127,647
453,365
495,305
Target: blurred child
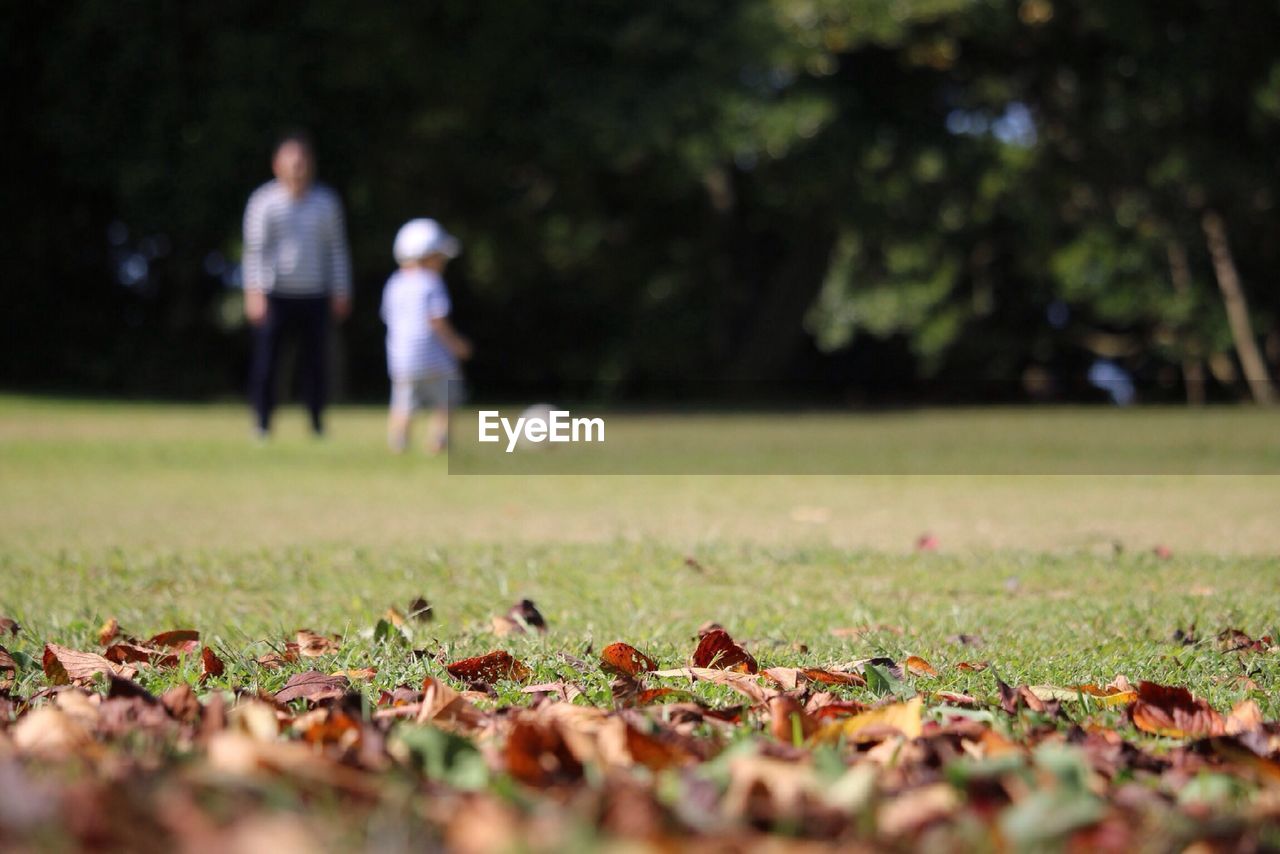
423,349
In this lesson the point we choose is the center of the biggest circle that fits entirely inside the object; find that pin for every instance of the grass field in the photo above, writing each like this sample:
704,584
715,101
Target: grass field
167,516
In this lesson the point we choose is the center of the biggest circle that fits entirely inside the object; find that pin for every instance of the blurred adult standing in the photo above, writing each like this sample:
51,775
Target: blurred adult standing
297,277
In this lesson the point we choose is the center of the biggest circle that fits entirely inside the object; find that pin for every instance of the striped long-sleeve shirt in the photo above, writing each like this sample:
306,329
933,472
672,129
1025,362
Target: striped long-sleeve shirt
296,247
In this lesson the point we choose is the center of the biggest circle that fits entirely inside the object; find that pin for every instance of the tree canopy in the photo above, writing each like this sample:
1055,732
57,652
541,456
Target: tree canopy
962,199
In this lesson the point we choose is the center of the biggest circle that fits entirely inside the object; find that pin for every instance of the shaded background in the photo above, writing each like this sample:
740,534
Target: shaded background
885,201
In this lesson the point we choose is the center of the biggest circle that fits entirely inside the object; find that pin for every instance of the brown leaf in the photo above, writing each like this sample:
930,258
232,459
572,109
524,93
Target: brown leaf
394,617
6,661
718,651
181,703
442,704
50,733
313,686
654,752
274,660
1173,712
183,640
956,699
63,665
504,626
10,625
536,754
526,616
1234,640
911,811
210,664
973,666
625,659
110,629
358,674
312,645
420,610
122,653
1244,717
745,684
492,667
787,719
917,665
788,678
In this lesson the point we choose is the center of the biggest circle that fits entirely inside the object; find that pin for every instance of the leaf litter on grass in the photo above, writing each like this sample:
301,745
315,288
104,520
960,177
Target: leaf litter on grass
714,750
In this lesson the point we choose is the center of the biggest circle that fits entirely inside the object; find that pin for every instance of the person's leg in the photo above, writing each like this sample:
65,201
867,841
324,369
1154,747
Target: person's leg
439,392
262,372
438,430
314,355
400,416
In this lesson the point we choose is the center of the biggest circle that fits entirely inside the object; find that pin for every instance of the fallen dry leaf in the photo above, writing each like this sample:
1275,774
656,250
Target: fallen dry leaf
108,632
50,733
10,625
491,667
63,665
717,650
124,653
520,618
789,723
917,665
625,659
876,724
1244,717
973,666
744,683
312,645
420,610
357,674
1174,712
911,811
537,755
182,640
313,686
210,665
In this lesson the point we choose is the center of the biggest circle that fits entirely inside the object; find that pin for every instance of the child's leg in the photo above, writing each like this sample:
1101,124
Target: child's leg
398,431
400,416
438,430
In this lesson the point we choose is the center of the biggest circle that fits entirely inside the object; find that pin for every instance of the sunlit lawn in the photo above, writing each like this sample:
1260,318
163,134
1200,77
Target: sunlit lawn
168,516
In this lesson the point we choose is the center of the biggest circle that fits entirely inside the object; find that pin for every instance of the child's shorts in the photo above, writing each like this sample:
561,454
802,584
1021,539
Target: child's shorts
439,391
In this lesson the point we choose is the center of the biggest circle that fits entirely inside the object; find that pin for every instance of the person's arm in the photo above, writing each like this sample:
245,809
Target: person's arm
339,261
252,269
458,345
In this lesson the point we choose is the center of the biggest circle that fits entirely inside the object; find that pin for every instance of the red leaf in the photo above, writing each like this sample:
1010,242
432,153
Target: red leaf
210,664
492,667
183,640
717,650
625,659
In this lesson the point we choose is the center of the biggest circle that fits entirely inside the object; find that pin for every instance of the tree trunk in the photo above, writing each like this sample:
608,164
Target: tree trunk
1224,267
1192,369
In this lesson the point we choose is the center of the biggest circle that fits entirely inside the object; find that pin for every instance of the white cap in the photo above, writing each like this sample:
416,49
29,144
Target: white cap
419,238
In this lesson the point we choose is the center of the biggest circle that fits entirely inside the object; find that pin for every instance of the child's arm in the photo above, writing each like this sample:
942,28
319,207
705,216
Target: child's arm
459,346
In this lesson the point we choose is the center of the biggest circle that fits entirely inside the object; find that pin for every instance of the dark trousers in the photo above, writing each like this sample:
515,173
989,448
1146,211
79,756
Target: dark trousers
307,320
